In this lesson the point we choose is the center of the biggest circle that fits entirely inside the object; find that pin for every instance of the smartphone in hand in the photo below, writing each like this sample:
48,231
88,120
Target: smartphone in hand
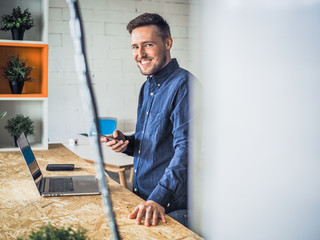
109,138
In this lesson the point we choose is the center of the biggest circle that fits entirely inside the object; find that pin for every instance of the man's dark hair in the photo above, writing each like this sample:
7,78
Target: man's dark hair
150,19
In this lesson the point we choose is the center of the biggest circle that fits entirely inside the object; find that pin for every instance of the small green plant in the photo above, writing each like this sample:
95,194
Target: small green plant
50,232
16,69
17,20
20,124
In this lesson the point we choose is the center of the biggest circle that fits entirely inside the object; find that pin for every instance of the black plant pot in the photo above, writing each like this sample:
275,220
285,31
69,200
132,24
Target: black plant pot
17,34
16,87
15,141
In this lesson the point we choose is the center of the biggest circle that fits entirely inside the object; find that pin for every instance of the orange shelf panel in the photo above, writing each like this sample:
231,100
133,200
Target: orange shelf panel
22,95
36,55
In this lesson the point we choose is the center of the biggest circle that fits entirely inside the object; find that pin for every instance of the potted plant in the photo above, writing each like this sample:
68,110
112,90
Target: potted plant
51,232
18,125
17,22
17,73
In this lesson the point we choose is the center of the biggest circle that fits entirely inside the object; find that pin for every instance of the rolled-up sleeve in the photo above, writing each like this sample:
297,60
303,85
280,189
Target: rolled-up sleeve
130,148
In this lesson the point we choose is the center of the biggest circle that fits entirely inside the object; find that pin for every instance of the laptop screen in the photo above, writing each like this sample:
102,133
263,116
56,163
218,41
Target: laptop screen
29,158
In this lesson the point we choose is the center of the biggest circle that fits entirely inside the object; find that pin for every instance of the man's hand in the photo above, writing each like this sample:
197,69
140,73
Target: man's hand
151,211
120,146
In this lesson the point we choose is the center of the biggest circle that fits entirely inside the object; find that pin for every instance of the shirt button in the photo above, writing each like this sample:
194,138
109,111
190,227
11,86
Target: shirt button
158,85
135,170
142,132
139,151
151,94
147,113
168,205
135,189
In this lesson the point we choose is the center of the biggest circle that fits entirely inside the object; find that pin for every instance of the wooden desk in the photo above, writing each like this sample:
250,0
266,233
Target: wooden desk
114,162
22,209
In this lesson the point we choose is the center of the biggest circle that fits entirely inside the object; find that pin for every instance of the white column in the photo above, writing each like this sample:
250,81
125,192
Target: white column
257,161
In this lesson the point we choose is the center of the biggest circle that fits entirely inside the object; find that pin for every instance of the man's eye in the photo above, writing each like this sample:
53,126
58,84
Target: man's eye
149,45
134,47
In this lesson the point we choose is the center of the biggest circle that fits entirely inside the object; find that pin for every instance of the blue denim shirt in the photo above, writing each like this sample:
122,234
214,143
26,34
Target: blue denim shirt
160,142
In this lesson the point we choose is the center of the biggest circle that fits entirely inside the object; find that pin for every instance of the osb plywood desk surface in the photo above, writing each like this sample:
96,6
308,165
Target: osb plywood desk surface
22,209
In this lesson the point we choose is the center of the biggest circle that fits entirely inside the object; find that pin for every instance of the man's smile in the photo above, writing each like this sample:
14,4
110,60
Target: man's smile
144,61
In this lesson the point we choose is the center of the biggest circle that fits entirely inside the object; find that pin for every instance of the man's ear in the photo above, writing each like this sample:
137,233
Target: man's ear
169,42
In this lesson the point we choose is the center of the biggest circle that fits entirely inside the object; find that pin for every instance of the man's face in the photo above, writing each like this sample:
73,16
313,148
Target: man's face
149,50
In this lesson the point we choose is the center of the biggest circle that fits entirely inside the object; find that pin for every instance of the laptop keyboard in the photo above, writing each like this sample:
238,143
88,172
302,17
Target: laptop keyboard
61,185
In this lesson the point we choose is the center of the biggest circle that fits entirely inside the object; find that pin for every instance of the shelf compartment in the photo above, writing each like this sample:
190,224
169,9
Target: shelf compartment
36,109
39,12
36,55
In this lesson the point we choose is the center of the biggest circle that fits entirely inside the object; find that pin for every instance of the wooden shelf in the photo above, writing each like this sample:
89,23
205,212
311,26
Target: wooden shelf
36,55
21,41
35,146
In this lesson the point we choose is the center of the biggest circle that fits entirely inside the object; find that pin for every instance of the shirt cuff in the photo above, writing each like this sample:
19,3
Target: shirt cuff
130,147
161,196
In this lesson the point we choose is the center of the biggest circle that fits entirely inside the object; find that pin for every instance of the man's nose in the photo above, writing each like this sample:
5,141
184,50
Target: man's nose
141,52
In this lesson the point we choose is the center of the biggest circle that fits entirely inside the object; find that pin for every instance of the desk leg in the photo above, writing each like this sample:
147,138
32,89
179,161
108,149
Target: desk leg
122,178
131,175
120,171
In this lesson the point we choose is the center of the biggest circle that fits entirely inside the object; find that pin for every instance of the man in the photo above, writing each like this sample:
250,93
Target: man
160,142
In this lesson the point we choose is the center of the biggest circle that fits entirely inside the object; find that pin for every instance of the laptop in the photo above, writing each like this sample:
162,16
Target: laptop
59,185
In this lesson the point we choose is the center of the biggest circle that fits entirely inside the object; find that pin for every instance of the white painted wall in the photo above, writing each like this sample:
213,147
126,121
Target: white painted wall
116,78
257,165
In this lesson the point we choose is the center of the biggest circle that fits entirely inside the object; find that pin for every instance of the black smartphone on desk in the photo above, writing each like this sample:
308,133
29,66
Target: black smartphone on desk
61,167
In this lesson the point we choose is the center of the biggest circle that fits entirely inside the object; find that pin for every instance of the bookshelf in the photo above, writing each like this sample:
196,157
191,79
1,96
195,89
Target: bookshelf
33,102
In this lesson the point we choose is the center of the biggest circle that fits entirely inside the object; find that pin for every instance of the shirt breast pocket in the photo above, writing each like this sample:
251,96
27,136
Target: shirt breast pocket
155,126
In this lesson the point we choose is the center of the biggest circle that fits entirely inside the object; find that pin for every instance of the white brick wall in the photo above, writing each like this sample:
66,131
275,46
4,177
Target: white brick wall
115,76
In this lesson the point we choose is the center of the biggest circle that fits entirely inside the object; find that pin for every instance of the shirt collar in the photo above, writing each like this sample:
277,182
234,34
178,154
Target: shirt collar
165,72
